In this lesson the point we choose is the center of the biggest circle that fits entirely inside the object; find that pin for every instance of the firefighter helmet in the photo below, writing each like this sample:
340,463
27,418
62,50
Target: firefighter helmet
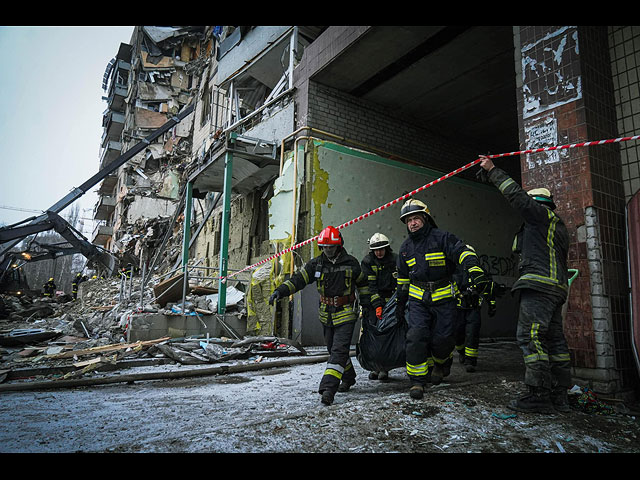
378,240
542,195
412,206
51,279
330,236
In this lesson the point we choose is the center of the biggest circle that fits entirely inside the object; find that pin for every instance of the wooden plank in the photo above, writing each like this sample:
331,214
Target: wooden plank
104,348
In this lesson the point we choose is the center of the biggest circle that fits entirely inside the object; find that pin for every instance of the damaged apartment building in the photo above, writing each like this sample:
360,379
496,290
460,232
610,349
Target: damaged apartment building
298,127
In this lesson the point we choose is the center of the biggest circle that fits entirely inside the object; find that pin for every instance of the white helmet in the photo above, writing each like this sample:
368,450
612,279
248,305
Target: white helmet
378,240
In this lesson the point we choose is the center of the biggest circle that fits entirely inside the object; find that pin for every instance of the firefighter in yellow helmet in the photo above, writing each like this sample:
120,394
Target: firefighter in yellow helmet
337,276
49,288
427,290
542,244
380,267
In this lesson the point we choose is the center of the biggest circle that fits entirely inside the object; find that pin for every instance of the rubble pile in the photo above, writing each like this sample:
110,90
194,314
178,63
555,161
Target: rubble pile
61,338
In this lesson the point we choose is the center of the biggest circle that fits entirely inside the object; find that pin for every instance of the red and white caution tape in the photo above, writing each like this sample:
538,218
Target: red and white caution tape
430,184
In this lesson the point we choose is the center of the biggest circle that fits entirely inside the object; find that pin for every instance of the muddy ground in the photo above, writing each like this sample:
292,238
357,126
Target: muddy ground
277,410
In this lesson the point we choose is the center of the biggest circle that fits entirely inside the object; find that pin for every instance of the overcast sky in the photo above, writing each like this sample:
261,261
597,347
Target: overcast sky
51,114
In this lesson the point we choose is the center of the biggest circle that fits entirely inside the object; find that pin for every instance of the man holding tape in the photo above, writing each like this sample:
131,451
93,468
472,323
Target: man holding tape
337,276
427,261
542,244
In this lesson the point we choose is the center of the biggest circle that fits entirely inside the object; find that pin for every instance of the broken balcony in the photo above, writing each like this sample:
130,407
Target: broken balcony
102,234
113,123
254,164
111,150
119,86
104,208
108,184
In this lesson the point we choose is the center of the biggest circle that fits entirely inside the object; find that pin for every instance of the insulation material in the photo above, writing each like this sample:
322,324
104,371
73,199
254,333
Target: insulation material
259,312
281,204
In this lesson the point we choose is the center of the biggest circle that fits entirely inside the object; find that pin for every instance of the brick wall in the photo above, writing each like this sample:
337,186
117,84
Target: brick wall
375,126
568,95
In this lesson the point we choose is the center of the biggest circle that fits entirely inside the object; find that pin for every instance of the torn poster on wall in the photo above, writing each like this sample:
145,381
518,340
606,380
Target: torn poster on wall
542,133
548,80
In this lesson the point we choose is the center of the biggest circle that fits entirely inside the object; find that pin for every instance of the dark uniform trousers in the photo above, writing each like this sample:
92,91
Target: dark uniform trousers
430,337
540,336
339,366
468,332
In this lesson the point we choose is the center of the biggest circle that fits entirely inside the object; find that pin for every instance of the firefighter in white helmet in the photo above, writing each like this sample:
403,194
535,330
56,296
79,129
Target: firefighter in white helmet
542,244
337,276
380,267
427,261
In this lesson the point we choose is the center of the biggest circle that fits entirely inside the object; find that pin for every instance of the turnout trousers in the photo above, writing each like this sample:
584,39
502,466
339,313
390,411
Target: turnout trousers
339,367
468,333
430,337
542,341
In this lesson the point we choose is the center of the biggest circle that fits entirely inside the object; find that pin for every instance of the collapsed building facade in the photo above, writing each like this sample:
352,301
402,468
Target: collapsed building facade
299,127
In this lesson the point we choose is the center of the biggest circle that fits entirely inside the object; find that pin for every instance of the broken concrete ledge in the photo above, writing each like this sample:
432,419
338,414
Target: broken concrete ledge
201,372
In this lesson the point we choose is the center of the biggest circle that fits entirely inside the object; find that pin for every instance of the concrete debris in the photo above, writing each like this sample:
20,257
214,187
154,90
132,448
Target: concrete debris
65,339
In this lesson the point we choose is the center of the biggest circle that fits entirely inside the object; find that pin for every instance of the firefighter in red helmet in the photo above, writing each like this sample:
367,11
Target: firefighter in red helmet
338,276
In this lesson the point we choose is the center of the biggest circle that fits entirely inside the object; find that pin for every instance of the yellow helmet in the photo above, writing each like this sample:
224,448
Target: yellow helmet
542,195
378,240
412,206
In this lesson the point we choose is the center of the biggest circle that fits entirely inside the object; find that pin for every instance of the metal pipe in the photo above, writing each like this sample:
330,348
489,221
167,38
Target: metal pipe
224,231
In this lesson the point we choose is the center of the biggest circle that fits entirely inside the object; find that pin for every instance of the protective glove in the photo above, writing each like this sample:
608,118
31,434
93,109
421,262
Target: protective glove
492,308
400,312
274,297
379,313
491,299
480,281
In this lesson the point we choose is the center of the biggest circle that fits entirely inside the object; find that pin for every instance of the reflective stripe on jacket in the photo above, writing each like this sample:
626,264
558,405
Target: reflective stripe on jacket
381,276
542,242
426,263
333,279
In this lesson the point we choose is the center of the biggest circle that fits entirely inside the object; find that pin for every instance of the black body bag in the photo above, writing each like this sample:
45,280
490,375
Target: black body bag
381,345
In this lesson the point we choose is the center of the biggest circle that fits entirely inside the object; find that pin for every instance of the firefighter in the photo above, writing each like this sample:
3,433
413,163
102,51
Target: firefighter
74,285
426,288
380,268
542,245
469,303
337,276
49,288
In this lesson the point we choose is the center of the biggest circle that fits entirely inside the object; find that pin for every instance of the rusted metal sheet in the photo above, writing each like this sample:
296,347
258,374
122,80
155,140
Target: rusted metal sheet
633,225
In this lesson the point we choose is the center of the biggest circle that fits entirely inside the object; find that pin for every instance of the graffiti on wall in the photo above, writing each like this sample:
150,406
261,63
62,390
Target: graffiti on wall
548,80
499,266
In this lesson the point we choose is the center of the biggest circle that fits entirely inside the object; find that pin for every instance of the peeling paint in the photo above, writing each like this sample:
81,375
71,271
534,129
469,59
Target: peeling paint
320,190
538,66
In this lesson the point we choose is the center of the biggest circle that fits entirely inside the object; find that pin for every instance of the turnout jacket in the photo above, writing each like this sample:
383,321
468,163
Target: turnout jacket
337,282
381,275
427,261
542,242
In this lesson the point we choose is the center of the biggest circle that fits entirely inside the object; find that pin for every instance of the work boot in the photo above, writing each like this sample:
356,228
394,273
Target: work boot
373,375
437,374
560,399
471,365
536,401
416,392
461,357
327,397
383,376
345,385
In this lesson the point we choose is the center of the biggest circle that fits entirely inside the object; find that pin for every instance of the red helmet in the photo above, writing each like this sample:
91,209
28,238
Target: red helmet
330,236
